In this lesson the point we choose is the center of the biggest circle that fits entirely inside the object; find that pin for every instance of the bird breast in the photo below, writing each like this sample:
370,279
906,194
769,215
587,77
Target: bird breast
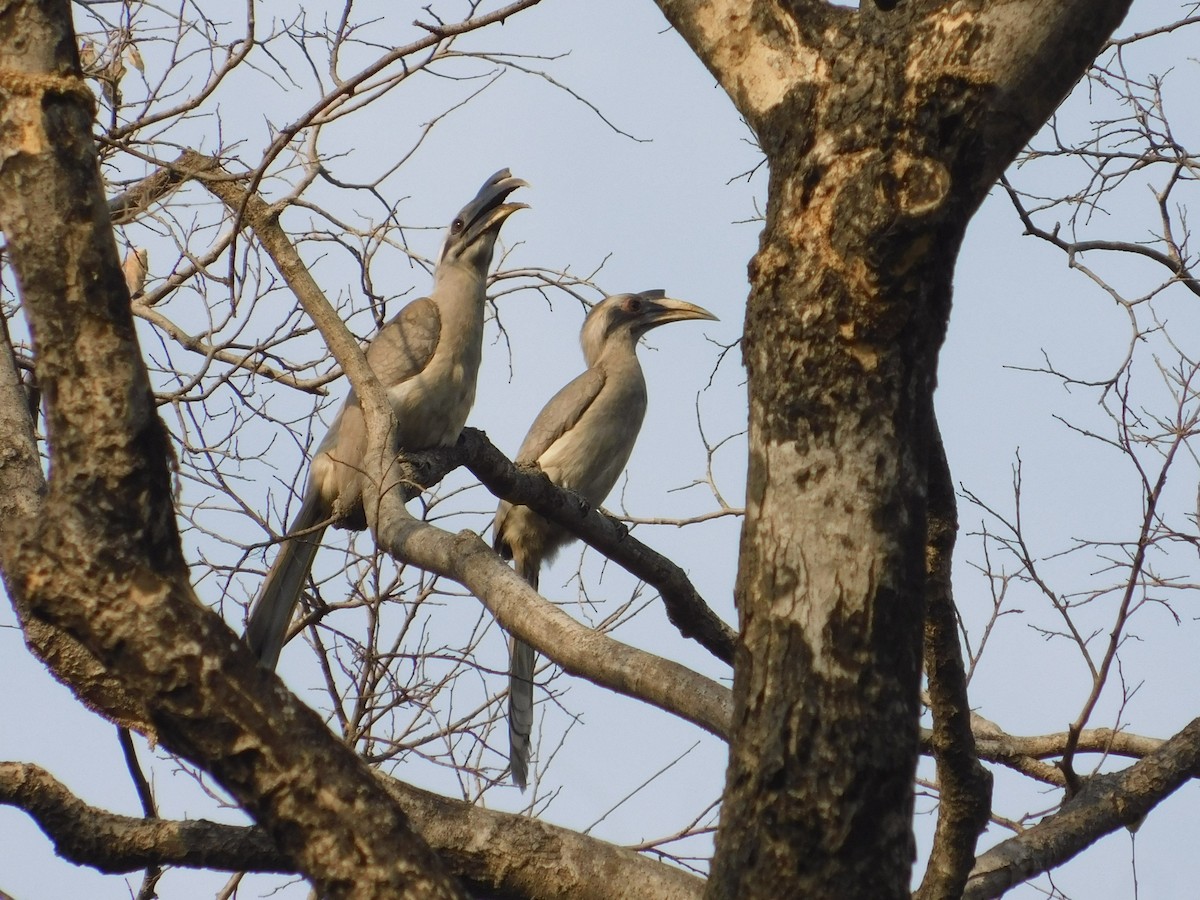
432,406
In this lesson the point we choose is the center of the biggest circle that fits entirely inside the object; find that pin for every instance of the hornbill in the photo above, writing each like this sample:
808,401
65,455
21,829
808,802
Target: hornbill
427,358
581,440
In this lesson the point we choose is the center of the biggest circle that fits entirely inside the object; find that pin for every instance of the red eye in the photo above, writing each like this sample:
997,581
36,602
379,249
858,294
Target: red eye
633,305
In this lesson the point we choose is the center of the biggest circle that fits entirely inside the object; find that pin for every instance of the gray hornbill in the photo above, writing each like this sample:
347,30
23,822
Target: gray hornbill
581,440
427,358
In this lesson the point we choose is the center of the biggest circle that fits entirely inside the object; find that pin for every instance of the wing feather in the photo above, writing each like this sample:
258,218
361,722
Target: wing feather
406,343
560,415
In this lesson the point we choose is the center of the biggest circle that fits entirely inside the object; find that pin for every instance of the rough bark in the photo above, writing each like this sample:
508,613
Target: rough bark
497,854
108,842
102,559
194,695
883,131
964,785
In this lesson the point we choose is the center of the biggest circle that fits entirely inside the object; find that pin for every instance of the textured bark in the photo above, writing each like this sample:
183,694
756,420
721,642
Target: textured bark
497,854
514,856
108,842
964,786
883,132
139,197
98,573
22,486
102,558
1025,754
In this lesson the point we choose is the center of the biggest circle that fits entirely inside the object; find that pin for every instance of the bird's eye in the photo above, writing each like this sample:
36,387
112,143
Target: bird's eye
456,226
633,305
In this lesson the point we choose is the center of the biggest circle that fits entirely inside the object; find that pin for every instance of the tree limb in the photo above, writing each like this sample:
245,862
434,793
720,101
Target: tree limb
964,785
524,613
1105,803
103,558
497,854
112,843
576,648
1025,753
139,197
685,607
263,220
22,497
22,485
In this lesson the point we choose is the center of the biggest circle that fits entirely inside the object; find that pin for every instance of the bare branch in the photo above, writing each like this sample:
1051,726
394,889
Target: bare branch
685,607
1104,804
112,572
491,851
527,615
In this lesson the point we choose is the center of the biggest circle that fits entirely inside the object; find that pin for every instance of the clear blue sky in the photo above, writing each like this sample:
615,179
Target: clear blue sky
670,210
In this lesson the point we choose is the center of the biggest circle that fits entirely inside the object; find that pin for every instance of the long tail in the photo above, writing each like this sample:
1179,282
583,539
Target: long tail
521,661
267,627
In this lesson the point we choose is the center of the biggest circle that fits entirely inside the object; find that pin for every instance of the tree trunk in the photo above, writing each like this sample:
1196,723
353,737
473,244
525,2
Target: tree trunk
831,578
883,132
100,559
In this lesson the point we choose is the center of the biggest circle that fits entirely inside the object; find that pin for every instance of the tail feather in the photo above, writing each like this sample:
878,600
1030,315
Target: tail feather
522,660
267,627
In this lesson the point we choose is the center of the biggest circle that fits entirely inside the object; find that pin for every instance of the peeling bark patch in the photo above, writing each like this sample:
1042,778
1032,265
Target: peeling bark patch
762,51
874,173
23,131
922,184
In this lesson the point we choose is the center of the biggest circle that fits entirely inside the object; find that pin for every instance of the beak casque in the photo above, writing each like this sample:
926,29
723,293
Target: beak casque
488,210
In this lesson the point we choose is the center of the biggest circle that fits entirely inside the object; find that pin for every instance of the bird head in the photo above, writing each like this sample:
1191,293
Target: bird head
472,235
630,316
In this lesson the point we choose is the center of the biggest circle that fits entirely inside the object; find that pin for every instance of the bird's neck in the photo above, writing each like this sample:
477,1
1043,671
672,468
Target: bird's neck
459,277
614,350
459,293
432,406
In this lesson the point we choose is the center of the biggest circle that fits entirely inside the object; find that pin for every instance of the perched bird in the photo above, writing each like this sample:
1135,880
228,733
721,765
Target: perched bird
87,56
427,358
582,440
135,267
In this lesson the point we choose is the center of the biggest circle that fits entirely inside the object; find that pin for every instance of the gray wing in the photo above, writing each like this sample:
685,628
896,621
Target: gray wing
402,348
539,537
333,473
405,344
560,415
557,417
